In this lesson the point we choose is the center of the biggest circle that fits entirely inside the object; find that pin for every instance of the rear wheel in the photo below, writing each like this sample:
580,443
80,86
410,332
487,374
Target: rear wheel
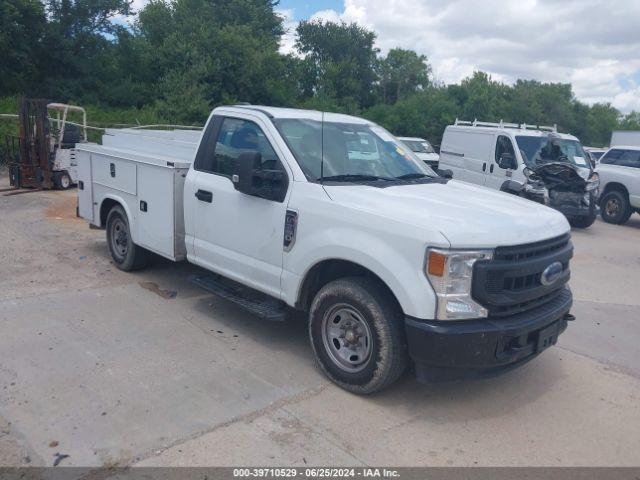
126,255
357,335
615,207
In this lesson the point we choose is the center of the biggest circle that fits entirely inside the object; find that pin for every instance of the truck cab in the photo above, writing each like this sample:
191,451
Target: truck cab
329,214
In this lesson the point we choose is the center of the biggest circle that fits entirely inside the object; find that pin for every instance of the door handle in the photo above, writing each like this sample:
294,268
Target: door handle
491,168
204,196
484,167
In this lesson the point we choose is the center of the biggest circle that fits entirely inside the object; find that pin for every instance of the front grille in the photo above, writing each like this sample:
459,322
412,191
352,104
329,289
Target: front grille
510,282
531,250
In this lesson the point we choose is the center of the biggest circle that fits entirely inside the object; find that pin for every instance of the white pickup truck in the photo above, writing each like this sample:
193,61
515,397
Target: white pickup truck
395,265
619,172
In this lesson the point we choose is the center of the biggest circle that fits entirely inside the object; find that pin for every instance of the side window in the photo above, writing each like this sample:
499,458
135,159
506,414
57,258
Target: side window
237,136
504,145
630,158
612,157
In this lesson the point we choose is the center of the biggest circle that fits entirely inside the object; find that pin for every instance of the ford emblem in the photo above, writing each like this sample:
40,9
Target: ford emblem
551,273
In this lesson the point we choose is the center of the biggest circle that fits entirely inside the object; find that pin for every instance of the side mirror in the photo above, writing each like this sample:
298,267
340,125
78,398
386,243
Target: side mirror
507,161
247,164
251,179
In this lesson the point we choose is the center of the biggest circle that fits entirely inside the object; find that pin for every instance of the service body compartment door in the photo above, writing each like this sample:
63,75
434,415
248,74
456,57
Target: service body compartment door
85,184
156,215
115,173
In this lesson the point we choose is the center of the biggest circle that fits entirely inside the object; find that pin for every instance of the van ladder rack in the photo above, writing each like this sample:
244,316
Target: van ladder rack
501,124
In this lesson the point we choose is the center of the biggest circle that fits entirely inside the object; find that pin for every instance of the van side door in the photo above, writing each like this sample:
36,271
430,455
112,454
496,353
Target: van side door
237,235
496,176
466,153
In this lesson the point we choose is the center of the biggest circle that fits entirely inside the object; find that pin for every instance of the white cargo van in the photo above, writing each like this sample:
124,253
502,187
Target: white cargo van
331,215
530,161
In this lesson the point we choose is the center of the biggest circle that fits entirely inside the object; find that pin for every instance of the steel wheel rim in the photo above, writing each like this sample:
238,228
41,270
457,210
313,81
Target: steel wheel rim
65,182
119,238
612,207
347,338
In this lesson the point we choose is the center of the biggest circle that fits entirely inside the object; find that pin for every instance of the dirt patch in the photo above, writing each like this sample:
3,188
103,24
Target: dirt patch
153,287
63,207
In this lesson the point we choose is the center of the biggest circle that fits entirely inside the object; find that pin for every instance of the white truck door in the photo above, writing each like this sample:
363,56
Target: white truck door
496,176
237,235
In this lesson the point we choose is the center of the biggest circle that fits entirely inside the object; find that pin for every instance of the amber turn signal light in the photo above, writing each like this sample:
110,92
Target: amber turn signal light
437,262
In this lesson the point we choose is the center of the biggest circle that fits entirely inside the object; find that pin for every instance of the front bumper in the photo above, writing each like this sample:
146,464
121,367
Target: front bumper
570,204
484,347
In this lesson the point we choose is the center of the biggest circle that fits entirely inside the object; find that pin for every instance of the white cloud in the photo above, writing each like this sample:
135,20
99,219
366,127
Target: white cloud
594,44
289,38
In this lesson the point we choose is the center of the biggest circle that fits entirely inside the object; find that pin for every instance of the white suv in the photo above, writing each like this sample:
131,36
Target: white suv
619,171
537,163
423,150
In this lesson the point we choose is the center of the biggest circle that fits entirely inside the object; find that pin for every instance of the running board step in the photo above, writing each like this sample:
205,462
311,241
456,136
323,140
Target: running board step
246,298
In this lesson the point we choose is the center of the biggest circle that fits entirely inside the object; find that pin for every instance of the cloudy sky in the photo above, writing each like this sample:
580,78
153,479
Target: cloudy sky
594,44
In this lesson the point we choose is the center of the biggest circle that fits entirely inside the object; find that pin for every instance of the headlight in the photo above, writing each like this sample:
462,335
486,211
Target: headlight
450,273
593,183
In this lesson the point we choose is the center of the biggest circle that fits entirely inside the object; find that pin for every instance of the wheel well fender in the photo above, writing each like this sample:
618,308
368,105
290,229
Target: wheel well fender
110,201
614,186
328,270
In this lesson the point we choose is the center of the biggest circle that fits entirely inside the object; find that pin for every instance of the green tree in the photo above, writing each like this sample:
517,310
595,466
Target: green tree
74,60
402,72
22,25
630,121
338,62
209,52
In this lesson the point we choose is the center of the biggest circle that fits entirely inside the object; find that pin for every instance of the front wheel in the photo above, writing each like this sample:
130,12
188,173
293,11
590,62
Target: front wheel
61,180
582,222
126,255
615,207
357,335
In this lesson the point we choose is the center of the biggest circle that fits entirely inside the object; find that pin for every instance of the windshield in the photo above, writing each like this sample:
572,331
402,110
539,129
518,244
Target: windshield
419,146
537,151
349,151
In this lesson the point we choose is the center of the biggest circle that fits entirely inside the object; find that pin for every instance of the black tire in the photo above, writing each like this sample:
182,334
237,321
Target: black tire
61,180
615,207
376,317
126,255
582,222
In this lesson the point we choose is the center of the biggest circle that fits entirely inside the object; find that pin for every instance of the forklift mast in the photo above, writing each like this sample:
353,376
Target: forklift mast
33,166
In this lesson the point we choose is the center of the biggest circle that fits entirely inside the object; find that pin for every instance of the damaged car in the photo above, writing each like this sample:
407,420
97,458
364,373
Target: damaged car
558,176
534,162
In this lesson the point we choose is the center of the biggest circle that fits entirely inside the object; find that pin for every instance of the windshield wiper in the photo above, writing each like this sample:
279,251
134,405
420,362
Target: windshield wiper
411,176
351,177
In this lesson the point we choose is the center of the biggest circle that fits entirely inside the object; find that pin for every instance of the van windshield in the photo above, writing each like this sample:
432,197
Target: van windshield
419,146
537,151
349,151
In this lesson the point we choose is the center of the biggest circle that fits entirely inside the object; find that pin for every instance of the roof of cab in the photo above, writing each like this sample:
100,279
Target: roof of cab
280,112
623,147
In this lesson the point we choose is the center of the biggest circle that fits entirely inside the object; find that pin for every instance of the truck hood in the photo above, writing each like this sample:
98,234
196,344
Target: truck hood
467,215
563,176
